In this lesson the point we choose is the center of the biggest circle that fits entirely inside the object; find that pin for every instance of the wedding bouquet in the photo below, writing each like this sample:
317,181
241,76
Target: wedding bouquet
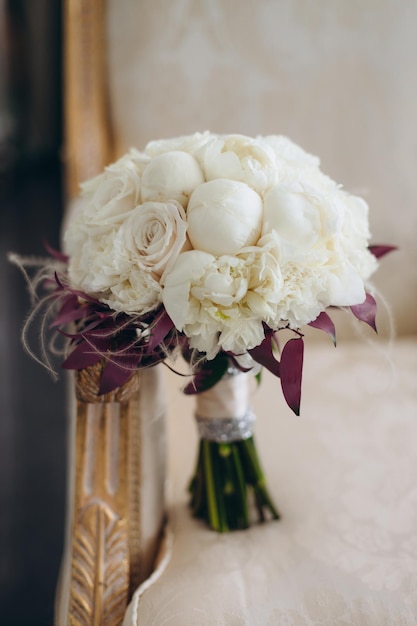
211,245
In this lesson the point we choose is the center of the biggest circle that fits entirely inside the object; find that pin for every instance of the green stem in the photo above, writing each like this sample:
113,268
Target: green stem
214,495
219,488
257,477
241,488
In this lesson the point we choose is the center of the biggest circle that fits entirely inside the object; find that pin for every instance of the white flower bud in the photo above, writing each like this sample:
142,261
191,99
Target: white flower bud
171,176
224,216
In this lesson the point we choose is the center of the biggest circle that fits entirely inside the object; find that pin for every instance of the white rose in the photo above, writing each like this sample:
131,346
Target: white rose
101,267
224,216
185,143
171,176
221,302
152,236
122,267
116,191
241,158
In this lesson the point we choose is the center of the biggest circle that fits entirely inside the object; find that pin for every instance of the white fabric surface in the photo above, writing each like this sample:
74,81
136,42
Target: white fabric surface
344,477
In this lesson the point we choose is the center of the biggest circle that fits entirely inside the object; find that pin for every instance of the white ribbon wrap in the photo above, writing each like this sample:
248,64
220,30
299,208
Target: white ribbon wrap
223,413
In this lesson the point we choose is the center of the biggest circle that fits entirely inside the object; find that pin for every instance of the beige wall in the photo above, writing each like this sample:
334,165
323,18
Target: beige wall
337,76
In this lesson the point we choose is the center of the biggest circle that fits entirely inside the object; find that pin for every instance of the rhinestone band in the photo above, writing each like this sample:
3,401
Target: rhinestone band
226,429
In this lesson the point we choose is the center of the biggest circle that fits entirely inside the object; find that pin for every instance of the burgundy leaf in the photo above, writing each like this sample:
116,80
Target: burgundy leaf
83,356
380,250
104,314
98,331
85,332
83,296
94,329
292,372
159,330
263,354
97,341
117,372
323,322
69,303
366,311
59,282
71,315
76,292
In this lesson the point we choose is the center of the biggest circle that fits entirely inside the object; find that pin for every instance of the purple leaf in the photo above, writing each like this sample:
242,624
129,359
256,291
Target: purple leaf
70,315
380,250
83,356
323,322
98,331
59,282
263,354
117,372
69,303
159,330
76,292
292,372
366,311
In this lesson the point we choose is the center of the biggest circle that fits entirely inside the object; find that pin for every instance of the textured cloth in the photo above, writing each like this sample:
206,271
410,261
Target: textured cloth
343,476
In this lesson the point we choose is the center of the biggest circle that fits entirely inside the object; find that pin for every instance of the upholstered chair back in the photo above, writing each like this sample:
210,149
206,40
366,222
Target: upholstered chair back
336,77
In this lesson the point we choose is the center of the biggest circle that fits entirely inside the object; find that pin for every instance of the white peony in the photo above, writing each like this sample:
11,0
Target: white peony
220,303
152,236
310,229
224,216
355,234
295,165
303,295
185,143
137,294
94,265
287,150
171,176
240,158
302,218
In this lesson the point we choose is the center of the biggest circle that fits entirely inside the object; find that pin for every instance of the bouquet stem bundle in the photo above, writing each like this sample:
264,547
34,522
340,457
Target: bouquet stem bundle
226,476
228,481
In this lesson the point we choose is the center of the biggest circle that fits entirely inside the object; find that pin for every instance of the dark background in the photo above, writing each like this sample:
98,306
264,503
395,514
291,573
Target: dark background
32,413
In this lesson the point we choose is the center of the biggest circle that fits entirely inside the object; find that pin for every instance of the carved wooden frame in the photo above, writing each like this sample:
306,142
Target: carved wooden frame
101,567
